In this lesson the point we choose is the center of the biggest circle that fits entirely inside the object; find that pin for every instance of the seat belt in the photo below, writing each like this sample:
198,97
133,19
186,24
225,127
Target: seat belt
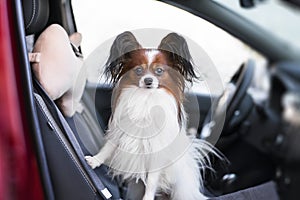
97,182
104,192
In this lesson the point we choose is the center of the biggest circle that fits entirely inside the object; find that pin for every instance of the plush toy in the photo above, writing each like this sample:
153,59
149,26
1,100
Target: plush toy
57,65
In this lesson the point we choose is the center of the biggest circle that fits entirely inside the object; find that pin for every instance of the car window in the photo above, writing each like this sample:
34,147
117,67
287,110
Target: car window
101,21
276,17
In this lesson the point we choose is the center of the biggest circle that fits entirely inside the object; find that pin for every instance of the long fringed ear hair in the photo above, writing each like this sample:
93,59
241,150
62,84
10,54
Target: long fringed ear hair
178,50
122,45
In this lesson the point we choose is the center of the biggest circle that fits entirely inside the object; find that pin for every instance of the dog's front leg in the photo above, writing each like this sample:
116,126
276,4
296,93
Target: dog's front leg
151,185
102,156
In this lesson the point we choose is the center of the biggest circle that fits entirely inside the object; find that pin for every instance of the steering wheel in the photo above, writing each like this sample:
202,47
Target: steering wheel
219,117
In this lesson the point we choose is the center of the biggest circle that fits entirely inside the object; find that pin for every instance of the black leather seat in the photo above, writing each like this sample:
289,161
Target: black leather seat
60,148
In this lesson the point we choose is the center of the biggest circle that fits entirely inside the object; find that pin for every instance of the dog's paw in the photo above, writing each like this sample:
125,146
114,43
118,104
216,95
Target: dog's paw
92,161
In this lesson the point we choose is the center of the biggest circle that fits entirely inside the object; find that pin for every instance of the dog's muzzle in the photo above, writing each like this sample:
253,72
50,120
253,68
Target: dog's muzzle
148,81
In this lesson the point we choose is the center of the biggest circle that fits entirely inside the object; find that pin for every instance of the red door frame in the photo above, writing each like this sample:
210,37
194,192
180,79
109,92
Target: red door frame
19,175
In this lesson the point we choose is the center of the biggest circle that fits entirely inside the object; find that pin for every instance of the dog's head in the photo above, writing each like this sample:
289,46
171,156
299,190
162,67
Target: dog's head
167,66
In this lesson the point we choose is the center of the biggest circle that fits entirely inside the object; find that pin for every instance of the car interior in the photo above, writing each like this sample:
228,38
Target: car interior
255,139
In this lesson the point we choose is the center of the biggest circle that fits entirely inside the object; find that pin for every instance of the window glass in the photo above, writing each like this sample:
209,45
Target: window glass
276,16
101,21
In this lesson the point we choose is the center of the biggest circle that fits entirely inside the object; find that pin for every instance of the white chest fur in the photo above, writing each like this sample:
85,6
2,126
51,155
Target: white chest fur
145,141
144,129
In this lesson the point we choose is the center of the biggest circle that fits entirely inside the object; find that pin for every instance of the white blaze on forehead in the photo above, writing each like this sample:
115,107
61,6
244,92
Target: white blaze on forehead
151,55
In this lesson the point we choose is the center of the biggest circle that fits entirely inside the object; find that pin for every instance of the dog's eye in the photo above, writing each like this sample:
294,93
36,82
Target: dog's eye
139,70
159,71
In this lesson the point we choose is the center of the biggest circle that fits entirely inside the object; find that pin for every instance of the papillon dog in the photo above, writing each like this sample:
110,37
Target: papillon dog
147,138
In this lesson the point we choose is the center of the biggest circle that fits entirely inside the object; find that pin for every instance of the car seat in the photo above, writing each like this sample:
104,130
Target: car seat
60,147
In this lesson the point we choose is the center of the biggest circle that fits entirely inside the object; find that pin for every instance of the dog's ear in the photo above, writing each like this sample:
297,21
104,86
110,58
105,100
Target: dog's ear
122,45
178,51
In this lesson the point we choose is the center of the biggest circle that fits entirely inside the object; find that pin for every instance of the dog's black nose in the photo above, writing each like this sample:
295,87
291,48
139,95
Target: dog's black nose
148,81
